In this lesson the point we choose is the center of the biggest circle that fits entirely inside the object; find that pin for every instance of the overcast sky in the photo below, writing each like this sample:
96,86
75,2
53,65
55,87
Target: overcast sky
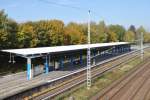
124,12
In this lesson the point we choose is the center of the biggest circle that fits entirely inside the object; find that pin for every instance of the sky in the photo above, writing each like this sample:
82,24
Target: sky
123,12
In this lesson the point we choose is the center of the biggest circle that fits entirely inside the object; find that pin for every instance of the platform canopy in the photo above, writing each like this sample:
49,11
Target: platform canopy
43,50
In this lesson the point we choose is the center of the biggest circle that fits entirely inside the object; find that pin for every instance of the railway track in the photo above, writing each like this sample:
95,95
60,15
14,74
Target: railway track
133,86
129,87
51,92
57,87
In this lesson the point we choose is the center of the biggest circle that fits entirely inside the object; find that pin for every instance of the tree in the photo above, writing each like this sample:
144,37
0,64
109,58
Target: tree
3,30
56,32
50,32
8,29
12,33
129,36
119,30
98,32
94,32
102,30
147,37
42,31
111,36
139,31
26,35
132,28
74,34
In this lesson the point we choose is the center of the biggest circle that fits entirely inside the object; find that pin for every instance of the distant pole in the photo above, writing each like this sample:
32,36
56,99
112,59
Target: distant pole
142,52
89,56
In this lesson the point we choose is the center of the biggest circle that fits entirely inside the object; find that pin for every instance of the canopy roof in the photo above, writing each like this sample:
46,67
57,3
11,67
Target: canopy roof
42,50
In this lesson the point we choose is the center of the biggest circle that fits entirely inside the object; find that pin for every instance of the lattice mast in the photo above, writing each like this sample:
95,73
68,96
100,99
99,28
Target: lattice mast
89,56
141,45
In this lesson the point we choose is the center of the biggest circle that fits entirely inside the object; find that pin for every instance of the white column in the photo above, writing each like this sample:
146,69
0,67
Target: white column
29,72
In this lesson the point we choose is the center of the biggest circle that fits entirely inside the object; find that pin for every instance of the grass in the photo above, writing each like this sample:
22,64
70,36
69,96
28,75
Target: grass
81,92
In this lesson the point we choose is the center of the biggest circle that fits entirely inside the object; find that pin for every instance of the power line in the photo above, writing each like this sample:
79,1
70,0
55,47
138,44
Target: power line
69,6
62,5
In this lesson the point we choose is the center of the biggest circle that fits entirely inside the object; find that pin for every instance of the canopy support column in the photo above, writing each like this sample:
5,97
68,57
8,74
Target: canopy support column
94,54
29,72
61,62
71,59
49,63
81,60
46,65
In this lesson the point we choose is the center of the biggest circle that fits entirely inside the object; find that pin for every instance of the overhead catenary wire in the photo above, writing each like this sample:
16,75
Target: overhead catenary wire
62,5
70,6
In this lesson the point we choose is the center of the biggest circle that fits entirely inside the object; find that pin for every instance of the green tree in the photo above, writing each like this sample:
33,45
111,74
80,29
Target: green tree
139,31
98,32
56,32
102,30
50,32
111,36
132,28
26,35
147,37
94,32
42,30
3,29
119,30
12,34
8,29
129,36
74,34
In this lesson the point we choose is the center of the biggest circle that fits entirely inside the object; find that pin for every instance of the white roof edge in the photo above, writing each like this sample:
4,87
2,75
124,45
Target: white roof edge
40,50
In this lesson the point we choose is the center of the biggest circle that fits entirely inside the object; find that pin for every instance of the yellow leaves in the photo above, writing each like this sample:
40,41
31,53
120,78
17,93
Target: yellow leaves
112,37
129,36
147,37
74,34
